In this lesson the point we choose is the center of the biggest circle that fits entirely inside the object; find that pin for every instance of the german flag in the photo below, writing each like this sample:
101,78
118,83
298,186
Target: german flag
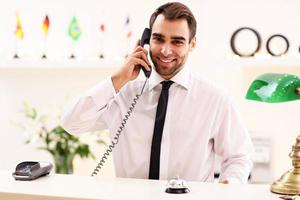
46,24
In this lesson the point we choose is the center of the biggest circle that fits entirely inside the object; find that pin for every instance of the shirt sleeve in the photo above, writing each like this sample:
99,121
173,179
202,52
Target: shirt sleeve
87,113
233,144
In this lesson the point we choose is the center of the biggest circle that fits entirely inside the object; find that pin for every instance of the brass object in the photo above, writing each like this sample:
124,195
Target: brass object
289,182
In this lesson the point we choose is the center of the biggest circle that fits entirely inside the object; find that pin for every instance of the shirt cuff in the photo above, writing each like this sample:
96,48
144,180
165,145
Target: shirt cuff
103,92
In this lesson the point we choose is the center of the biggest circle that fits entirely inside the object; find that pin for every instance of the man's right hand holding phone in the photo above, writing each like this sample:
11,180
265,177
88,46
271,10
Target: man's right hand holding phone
131,67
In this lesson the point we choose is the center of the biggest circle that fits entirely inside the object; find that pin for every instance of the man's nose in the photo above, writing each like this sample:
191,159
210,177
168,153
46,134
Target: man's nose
166,50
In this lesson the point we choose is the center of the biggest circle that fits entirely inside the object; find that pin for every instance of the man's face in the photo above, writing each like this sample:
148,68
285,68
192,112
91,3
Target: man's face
169,45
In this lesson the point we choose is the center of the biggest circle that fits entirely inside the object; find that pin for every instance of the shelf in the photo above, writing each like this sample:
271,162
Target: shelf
60,65
267,61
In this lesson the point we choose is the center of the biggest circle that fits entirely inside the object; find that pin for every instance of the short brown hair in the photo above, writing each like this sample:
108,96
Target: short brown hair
173,11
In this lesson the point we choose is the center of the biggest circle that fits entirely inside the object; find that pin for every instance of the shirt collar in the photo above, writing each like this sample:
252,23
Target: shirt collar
181,78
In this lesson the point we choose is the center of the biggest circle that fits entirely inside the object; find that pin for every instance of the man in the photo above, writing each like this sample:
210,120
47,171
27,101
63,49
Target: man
181,135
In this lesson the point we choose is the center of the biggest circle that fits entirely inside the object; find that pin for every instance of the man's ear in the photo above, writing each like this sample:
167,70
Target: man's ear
192,44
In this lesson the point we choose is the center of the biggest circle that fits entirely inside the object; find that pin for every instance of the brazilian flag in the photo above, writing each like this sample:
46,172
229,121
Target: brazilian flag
74,30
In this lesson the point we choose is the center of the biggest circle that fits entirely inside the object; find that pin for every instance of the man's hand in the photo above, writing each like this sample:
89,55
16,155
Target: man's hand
130,69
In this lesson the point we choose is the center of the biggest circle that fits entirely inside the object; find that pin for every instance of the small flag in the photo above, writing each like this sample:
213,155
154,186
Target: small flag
127,27
129,34
46,24
74,30
19,31
102,28
127,22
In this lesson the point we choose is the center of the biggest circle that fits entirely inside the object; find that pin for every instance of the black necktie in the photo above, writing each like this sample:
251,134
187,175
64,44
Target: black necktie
158,129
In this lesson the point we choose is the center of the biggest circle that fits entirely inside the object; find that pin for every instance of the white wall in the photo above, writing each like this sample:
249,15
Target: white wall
213,59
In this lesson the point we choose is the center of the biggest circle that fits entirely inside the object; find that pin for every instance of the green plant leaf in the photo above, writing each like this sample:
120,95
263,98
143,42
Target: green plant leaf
57,141
29,111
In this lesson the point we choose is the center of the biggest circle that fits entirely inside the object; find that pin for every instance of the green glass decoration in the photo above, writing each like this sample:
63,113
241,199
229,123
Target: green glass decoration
274,88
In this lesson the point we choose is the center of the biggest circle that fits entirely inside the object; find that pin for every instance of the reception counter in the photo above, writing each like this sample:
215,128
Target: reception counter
56,186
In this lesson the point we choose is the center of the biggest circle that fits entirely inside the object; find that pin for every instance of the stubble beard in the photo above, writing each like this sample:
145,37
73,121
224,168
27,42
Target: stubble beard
172,71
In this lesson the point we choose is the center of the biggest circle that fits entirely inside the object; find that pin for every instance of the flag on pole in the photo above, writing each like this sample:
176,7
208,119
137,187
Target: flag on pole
102,28
128,28
127,22
19,31
46,24
74,30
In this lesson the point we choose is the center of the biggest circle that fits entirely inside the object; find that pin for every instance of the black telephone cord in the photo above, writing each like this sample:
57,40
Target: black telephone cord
116,138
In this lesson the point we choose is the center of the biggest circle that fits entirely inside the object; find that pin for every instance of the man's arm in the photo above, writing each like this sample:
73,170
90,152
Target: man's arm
234,145
87,112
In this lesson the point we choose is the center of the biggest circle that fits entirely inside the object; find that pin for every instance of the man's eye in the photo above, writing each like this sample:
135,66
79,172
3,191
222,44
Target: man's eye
178,42
158,39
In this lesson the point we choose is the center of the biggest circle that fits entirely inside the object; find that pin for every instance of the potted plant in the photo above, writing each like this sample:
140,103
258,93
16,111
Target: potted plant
54,139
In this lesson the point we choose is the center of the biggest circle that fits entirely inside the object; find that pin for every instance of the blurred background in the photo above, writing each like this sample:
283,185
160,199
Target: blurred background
99,34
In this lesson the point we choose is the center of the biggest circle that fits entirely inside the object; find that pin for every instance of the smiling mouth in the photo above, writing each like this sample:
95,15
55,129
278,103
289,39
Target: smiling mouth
166,60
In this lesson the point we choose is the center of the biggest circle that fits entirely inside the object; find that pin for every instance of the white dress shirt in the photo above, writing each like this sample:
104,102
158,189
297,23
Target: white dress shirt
201,121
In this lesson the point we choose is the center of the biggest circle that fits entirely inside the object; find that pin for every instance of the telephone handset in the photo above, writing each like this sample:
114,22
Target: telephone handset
144,40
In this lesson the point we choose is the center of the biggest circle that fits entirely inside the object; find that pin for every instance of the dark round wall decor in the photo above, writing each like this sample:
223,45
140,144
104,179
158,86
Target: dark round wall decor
270,44
234,44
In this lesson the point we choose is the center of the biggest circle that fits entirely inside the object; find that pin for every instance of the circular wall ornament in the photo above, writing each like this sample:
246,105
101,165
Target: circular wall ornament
277,45
245,42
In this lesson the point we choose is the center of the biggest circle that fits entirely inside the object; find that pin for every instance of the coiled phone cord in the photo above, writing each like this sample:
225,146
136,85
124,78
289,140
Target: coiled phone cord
116,138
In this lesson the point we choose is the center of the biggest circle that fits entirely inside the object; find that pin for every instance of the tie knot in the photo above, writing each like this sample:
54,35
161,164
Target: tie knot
166,84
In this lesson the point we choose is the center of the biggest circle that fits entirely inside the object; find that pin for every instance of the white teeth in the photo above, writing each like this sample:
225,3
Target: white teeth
166,60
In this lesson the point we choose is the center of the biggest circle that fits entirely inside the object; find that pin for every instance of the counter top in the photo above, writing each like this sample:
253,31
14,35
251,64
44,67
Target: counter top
58,186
